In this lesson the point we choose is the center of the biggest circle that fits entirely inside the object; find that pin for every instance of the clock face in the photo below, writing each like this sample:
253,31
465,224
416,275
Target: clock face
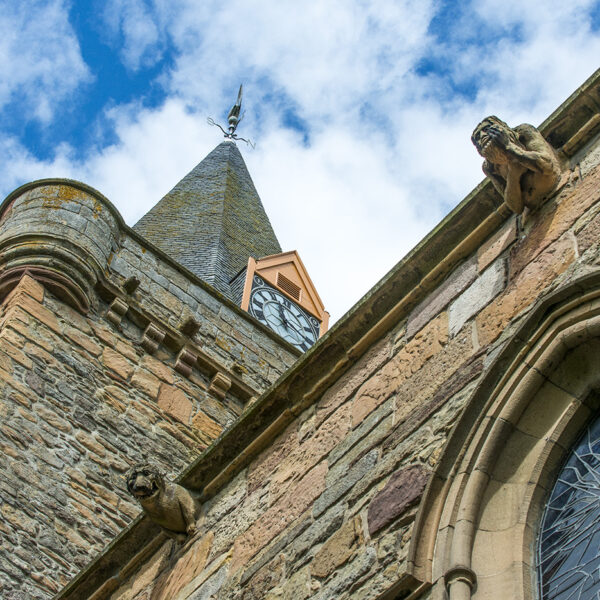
282,315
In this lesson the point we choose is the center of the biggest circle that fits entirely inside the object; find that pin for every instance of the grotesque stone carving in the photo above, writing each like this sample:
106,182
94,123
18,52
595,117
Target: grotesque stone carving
522,165
167,504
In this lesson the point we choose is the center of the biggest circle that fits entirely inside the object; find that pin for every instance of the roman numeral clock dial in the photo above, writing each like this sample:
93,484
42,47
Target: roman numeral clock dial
282,315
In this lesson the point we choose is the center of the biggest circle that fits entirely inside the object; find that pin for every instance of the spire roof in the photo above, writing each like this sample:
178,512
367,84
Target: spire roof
213,220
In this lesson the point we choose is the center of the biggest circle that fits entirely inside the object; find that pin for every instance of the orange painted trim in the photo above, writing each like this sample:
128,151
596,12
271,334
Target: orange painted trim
268,267
324,324
250,270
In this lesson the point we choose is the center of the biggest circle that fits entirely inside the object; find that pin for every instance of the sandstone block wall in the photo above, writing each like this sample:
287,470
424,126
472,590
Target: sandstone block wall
89,388
327,510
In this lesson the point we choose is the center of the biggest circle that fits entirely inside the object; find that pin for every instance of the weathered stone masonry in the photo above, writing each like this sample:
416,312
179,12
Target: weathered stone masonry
314,492
109,353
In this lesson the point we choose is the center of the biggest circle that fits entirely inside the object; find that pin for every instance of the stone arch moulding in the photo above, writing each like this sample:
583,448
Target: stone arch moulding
475,533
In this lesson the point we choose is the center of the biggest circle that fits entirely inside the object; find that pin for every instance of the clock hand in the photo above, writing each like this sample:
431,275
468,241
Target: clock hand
282,316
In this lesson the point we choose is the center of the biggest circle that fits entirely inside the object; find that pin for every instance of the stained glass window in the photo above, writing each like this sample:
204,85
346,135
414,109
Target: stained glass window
569,542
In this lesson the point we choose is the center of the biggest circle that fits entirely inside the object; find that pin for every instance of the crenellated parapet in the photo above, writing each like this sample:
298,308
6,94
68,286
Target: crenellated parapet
60,233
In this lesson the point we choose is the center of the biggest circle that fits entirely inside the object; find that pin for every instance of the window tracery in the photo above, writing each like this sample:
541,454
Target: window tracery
569,540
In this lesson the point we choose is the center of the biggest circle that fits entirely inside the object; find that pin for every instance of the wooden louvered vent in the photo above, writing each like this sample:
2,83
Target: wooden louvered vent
288,286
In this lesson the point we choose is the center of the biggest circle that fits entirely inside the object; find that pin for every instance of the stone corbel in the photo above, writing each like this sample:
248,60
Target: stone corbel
219,385
190,327
152,338
117,311
131,284
186,360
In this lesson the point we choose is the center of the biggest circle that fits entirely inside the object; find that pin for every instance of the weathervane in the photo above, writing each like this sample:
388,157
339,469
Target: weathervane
234,119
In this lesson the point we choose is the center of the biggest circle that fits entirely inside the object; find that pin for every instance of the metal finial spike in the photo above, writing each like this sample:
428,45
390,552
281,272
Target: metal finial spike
233,118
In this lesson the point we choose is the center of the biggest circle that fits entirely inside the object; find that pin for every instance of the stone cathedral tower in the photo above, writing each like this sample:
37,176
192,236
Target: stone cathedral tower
441,442
118,345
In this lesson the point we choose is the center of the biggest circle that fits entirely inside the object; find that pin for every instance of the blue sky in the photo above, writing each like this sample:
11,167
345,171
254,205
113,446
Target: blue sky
361,110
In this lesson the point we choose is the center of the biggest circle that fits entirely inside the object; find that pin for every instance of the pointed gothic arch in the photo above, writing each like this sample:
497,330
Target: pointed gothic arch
476,529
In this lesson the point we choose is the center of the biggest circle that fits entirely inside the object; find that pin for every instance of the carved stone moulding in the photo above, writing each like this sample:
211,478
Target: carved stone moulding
60,286
117,311
152,338
61,270
186,361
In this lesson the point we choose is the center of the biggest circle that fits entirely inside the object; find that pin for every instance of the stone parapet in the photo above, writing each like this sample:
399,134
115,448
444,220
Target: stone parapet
72,239
223,337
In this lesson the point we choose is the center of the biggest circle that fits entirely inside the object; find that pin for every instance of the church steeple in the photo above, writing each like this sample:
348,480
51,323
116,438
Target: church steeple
213,220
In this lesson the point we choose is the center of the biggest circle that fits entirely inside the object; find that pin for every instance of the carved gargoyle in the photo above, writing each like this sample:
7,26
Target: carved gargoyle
522,165
167,504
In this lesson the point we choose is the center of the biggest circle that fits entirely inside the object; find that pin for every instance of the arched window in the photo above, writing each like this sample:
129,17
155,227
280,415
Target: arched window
495,521
569,539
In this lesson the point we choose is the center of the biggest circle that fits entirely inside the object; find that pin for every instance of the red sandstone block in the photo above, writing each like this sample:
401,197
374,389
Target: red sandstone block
36,351
83,340
8,336
105,335
23,329
117,363
403,490
39,312
175,402
27,285
207,425
90,443
158,368
589,235
338,549
145,381
267,461
525,289
495,245
45,582
16,354
312,450
185,569
181,434
6,367
126,350
425,345
553,220
287,509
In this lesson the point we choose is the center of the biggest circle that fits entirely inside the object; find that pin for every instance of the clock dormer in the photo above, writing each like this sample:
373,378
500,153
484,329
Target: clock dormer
280,294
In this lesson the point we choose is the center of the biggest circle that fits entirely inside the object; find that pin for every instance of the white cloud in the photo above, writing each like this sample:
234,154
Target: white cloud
40,59
388,150
327,57
532,57
135,30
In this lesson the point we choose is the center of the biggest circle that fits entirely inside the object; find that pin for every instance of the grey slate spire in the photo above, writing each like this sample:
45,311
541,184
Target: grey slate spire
213,220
